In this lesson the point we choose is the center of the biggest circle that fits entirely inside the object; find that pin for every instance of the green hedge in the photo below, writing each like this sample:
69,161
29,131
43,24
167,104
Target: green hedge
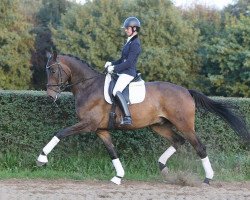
29,119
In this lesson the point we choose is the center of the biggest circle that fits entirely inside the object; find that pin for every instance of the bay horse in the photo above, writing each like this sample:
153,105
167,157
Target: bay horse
166,109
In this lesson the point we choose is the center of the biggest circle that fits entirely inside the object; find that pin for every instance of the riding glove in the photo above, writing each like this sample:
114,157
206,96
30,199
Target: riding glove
107,64
111,69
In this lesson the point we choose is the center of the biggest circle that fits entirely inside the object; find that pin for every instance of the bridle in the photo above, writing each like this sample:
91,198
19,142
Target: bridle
62,86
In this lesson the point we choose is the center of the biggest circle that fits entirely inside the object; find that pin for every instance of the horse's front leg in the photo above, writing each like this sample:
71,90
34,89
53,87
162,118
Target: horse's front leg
79,127
106,138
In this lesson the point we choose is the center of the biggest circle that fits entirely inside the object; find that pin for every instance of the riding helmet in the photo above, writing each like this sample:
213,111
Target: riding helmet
132,22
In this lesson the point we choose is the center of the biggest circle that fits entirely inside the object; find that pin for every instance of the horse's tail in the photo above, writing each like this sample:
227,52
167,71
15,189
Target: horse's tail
224,110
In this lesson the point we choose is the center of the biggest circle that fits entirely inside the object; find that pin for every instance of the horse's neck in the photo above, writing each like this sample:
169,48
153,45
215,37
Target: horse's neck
82,72
79,70
84,77
90,88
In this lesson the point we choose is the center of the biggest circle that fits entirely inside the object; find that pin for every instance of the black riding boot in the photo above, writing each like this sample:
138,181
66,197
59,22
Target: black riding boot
124,107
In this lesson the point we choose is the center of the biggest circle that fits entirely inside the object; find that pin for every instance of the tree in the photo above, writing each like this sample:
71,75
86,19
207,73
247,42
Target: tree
209,23
231,53
15,47
49,15
169,43
92,31
241,7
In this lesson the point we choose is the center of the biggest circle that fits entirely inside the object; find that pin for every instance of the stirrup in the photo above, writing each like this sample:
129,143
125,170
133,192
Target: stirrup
126,121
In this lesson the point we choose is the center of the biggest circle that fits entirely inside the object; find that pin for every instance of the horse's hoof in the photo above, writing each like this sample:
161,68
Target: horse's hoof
116,180
164,172
41,160
206,181
39,164
161,166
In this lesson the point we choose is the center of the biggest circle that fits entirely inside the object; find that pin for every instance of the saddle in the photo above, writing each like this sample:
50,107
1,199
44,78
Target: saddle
134,93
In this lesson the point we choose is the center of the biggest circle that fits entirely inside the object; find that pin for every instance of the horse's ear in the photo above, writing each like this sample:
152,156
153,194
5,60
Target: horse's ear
54,55
48,54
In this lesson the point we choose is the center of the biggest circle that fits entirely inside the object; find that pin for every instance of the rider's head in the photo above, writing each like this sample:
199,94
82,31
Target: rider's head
132,22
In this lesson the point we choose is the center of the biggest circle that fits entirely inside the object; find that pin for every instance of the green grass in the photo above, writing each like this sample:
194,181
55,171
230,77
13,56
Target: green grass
234,167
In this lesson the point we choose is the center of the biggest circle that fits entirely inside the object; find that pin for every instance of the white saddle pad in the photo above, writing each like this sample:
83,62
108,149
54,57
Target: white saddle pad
137,91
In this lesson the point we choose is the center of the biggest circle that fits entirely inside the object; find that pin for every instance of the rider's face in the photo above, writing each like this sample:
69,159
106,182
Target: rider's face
128,31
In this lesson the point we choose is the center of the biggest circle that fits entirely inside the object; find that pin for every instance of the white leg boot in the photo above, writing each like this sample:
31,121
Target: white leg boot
119,171
42,158
208,169
164,158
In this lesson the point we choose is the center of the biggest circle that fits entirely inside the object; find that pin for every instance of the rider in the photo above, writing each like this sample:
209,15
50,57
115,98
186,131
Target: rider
125,67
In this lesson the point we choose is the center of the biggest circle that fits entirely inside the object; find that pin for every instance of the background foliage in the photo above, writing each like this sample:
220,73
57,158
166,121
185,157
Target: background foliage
29,120
199,47
231,54
169,44
16,44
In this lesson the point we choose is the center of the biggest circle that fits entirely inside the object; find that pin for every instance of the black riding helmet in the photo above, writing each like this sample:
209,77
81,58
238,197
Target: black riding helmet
132,22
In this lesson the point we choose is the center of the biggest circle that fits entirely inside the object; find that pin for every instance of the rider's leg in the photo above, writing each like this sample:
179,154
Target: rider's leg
124,107
120,85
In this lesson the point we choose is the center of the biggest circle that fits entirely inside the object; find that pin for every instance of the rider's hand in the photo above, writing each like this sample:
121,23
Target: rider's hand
111,69
107,64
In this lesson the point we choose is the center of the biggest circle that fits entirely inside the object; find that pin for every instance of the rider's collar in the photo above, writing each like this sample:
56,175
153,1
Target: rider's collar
131,38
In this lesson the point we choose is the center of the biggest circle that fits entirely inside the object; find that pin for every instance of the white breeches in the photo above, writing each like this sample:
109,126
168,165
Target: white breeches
122,82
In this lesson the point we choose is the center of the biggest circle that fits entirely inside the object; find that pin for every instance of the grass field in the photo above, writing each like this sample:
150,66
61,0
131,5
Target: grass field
234,167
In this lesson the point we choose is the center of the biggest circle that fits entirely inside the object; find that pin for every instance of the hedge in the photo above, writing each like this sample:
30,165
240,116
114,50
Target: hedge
29,119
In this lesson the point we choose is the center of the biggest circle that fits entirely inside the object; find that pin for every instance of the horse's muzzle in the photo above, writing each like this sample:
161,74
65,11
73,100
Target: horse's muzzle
53,95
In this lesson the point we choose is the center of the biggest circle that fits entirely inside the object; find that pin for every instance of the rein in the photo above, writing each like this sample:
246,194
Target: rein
83,80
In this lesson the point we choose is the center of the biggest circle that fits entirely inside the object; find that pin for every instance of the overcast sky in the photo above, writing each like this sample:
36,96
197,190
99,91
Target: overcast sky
214,3
186,3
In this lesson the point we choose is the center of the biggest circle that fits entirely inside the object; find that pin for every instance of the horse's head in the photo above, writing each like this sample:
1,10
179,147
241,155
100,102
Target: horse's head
58,75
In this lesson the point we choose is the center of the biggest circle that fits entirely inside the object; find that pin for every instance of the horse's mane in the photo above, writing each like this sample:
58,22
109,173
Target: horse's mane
81,60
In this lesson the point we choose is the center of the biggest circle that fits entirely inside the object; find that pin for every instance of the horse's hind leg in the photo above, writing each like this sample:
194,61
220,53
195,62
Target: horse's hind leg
166,131
184,122
177,140
106,138
201,151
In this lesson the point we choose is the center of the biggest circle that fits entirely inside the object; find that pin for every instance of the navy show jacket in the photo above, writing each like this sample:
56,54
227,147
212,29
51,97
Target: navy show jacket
130,53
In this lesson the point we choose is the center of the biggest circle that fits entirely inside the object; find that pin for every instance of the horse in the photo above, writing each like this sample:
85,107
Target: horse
168,109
